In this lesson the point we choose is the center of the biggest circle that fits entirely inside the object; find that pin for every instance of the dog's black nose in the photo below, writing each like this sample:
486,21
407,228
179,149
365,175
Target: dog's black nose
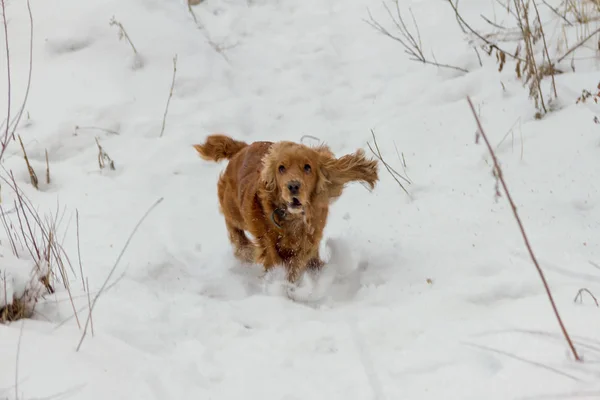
294,187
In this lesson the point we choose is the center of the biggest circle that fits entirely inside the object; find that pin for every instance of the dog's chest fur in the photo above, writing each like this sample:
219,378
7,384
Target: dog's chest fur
295,236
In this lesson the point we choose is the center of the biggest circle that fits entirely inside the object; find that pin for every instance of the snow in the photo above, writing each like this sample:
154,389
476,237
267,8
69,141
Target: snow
424,297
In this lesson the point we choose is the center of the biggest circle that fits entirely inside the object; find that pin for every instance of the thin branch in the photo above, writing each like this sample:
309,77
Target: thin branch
123,33
17,361
579,296
87,282
557,13
162,130
391,170
6,137
87,322
537,13
523,20
79,249
22,109
490,44
495,25
579,44
500,177
412,46
47,169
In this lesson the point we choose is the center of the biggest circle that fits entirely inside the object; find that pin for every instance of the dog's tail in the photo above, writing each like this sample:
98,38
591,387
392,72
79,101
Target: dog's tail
218,147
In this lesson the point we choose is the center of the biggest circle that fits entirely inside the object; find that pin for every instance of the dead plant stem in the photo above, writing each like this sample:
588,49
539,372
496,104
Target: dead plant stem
164,121
550,65
93,304
579,44
513,206
6,137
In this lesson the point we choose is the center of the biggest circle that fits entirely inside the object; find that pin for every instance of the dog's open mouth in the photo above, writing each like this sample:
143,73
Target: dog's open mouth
295,205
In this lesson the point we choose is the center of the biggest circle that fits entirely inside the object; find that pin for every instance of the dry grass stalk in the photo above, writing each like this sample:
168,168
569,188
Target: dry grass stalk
409,40
38,237
103,157
15,122
123,34
6,136
164,121
219,48
8,72
87,287
530,68
579,44
47,169
32,175
190,4
15,311
579,296
584,11
79,249
488,46
532,39
105,284
550,66
391,170
500,178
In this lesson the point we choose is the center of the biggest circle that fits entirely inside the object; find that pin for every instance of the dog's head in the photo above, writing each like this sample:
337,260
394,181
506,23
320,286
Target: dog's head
292,173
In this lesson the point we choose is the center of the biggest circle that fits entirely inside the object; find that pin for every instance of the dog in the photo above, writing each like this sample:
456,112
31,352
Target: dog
280,193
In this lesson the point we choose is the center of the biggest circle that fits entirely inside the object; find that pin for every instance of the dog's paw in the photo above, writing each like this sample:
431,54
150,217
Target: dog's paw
304,290
275,282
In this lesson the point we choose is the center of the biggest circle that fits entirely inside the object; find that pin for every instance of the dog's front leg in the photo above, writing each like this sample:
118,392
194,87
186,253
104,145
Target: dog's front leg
266,253
315,263
296,267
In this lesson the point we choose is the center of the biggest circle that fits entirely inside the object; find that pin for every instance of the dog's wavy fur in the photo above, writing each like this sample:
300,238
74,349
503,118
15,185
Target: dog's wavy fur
255,196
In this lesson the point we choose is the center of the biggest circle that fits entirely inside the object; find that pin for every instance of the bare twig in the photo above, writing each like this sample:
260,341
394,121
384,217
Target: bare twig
17,360
6,137
104,157
579,44
490,44
87,322
403,163
192,11
87,282
32,175
7,229
550,65
495,25
79,249
22,109
535,89
162,129
579,296
500,177
123,33
557,13
413,47
47,169
392,171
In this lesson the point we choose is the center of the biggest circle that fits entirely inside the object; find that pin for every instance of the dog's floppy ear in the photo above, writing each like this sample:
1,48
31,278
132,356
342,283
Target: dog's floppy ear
325,157
267,174
350,168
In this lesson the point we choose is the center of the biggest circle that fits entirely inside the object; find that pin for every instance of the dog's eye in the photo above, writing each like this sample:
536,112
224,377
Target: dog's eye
307,168
281,169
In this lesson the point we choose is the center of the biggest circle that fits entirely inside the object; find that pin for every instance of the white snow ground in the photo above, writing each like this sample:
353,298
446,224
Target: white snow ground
429,298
